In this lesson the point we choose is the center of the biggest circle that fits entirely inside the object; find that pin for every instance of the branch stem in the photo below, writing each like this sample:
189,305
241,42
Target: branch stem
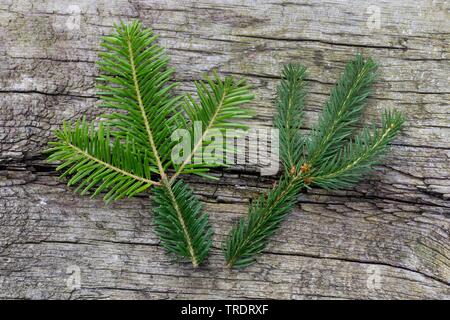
167,185
144,114
107,165
199,143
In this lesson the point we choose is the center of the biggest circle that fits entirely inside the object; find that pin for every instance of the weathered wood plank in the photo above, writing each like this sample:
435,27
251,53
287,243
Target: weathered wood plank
387,238
327,248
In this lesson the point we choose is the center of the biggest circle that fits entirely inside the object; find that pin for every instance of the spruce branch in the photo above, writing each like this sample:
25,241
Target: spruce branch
357,158
130,151
342,111
335,156
290,104
251,235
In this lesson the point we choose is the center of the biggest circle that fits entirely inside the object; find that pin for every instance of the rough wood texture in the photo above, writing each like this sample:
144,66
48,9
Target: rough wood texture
386,238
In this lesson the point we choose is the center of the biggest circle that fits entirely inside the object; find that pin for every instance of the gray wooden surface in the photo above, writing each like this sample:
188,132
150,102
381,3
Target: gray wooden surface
386,238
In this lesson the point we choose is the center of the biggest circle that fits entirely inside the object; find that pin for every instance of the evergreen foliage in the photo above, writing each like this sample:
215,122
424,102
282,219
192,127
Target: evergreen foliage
335,155
130,150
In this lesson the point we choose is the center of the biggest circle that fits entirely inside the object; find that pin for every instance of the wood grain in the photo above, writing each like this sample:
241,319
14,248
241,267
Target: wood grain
386,238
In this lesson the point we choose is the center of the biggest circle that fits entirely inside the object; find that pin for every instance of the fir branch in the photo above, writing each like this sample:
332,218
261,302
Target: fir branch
134,81
333,159
192,237
87,155
137,68
219,108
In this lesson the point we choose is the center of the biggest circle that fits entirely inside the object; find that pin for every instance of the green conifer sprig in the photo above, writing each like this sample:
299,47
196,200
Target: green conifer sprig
130,150
290,103
334,156
251,235
96,164
195,231
220,105
342,111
